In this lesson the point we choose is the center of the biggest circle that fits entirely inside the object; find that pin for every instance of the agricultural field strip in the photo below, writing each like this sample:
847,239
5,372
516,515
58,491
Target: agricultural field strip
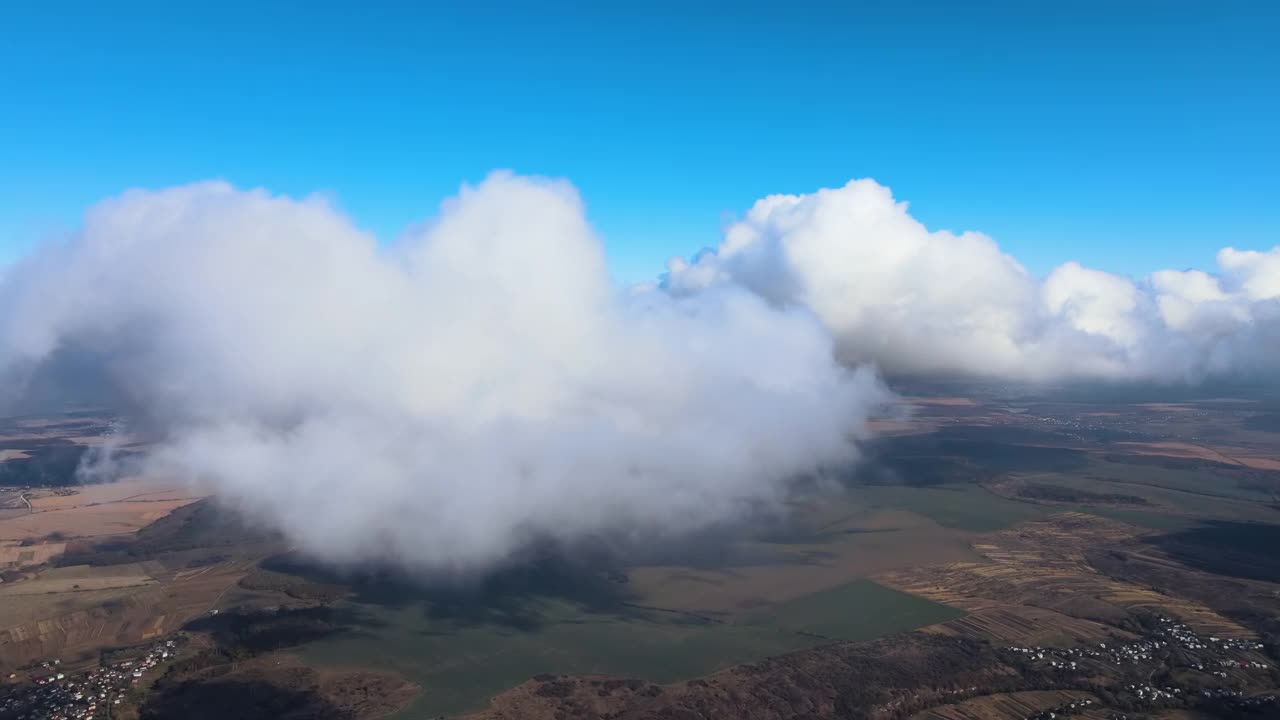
1004,706
38,507
1044,568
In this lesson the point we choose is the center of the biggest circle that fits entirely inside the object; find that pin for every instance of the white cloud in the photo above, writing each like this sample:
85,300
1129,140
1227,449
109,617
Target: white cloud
480,384
914,301
444,401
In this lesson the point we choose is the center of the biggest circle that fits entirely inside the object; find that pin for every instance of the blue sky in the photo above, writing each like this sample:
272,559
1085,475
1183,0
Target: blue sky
1130,136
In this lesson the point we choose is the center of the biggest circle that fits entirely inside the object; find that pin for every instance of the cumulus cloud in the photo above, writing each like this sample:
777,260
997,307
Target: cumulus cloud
441,402
480,385
915,301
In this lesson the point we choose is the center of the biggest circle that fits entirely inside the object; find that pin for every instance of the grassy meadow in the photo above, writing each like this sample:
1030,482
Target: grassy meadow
460,665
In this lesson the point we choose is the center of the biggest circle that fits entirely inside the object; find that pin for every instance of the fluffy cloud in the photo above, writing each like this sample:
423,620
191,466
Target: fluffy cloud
914,301
442,402
481,385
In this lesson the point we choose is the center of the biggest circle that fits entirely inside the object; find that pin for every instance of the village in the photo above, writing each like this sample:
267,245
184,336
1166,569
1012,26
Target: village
53,695
1224,662
1210,653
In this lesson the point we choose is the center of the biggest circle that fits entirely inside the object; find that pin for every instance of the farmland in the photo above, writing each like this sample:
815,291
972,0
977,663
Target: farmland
88,511
460,667
859,610
846,540
462,664
1025,568
1006,706
982,523
143,576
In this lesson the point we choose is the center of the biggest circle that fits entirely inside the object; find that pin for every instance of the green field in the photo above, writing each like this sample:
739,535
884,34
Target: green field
461,666
963,507
1209,481
1139,518
461,663
860,610
1172,505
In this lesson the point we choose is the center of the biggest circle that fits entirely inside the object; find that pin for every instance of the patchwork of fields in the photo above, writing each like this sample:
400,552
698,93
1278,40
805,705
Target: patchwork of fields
1014,523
